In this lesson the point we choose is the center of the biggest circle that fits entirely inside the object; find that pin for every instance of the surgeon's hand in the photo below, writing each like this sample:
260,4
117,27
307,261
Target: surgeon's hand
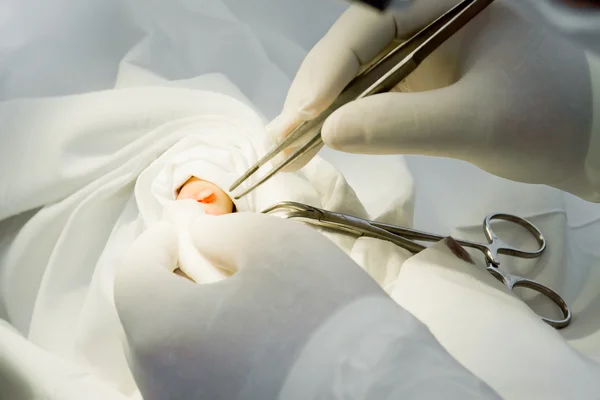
502,94
299,320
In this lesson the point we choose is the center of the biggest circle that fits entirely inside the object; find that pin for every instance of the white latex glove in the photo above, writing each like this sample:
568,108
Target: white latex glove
299,320
502,94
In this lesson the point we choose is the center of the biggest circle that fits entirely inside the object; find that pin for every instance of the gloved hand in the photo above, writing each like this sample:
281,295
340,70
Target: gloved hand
299,320
502,94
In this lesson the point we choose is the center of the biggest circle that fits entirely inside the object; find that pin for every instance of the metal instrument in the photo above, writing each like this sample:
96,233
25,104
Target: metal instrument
405,237
382,76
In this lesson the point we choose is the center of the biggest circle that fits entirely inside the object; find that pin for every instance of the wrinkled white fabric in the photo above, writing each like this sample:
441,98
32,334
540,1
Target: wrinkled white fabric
94,147
220,150
190,261
101,186
52,49
55,378
290,324
462,304
571,262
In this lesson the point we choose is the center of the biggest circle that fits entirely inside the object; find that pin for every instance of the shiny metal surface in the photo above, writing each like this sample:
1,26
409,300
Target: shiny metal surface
405,237
383,76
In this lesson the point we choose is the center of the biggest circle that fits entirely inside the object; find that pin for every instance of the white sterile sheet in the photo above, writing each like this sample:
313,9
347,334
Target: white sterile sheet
96,94
105,166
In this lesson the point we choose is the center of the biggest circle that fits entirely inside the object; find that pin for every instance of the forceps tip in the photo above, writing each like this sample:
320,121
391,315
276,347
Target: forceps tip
271,154
242,178
248,190
307,147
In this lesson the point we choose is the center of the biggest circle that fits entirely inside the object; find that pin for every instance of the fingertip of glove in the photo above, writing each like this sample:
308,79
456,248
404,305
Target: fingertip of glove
336,133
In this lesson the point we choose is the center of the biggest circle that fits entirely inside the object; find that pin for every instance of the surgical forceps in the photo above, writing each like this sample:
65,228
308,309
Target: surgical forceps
401,236
382,76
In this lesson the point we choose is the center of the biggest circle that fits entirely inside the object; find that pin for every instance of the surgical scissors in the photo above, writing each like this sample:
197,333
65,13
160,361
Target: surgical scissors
391,69
401,236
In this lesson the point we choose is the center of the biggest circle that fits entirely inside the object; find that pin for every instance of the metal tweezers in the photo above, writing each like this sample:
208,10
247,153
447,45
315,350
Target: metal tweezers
382,76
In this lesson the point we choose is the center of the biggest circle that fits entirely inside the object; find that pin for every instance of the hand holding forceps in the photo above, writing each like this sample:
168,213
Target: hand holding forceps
404,237
382,76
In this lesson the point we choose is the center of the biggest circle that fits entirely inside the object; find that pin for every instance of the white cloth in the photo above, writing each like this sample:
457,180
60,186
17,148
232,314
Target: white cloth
29,372
190,261
219,150
291,324
492,333
52,49
60,295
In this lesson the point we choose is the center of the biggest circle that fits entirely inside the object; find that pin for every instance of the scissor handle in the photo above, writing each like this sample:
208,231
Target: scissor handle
498,246
513,281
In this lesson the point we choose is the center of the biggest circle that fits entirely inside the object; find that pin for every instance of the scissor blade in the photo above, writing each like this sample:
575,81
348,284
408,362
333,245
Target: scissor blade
287,206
